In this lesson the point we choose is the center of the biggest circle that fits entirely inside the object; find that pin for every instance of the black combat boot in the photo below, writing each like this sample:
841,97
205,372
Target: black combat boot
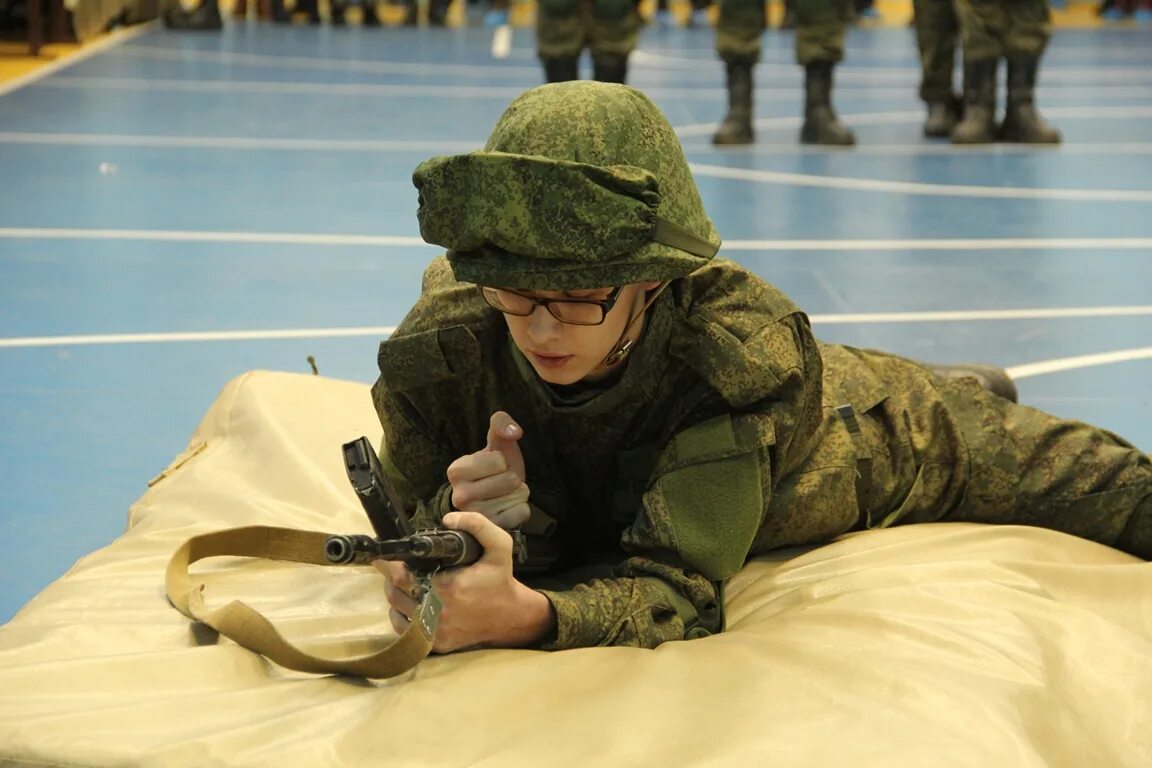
312,8
610,67
206,18
411,13
979,123
821,126
737,125
438,12
561,70
943,117
995,380
369,18
1022,122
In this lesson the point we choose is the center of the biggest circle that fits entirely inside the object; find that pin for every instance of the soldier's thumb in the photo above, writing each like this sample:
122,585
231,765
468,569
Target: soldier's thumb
504,436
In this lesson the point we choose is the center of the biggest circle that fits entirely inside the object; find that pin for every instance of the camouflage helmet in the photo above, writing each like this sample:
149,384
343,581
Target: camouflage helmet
581,185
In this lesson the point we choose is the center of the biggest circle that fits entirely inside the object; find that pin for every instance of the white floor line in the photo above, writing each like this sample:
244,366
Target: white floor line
981,315
925,148
1056,55
921,188
899,118
31,233
707,65
1080,361
373,145
833,319
401,241
246,87
165,338
110,40
943,244
508,92
340,65
242,143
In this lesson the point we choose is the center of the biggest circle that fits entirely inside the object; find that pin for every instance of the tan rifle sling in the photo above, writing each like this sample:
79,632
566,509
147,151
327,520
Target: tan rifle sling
247,627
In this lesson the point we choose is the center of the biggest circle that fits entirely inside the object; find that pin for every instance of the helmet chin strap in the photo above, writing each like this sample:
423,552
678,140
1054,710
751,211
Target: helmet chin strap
624,345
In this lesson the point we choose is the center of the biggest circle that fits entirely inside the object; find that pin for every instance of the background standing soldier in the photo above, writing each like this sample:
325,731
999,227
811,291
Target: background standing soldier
937,37
1017,31
820,28
608,28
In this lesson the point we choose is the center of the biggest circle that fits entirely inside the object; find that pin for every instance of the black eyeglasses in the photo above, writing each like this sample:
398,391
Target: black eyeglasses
571,311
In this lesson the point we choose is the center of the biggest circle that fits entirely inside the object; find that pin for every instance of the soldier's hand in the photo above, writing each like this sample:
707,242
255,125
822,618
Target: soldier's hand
492,481
482,604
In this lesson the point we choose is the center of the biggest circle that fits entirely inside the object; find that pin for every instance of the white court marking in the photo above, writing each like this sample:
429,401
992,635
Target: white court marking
689,65
1017,372
921,188
401,241
508,92
899,118
501,42
247,143
135,140
112,40
1080,361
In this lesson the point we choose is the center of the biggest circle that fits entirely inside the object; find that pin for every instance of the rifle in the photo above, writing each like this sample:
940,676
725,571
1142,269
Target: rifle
424,552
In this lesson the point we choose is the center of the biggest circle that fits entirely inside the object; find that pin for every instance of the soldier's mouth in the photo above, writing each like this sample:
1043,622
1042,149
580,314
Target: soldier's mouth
550,360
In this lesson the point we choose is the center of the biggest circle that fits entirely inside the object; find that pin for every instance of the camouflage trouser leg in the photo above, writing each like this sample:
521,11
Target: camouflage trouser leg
738,29
949,451
615,27
820,29
561,31
937,33
993,29
565,27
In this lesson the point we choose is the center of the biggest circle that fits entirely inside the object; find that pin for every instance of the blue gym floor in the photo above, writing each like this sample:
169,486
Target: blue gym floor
176,209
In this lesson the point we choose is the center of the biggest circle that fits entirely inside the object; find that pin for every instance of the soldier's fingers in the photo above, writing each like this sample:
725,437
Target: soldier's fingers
490,508
466,496
399,621
401,600
476,466
497,543
513,517
502,429
397,574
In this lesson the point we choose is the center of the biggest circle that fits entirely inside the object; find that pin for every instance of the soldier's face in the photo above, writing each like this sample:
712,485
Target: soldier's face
562,353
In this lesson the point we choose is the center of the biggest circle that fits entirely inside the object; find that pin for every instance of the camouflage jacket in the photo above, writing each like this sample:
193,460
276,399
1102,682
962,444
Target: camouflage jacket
666,478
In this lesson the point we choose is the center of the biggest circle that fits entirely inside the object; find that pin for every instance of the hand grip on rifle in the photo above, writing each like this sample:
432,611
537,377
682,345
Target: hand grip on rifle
423,551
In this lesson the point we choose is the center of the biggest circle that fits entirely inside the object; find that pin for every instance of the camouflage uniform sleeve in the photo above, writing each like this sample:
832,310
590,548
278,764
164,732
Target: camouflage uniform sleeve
412,460
700,516
638,611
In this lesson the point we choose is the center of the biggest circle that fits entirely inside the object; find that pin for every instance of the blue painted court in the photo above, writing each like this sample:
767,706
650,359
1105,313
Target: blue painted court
177,209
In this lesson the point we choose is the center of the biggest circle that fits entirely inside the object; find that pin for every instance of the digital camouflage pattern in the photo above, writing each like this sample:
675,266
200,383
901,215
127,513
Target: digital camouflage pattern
536,211
992,29
626,489
564,28
820,29
731,431
937,37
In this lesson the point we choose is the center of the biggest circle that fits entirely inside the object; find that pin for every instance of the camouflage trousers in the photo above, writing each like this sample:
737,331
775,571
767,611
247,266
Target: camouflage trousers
820,28
937,37
946,450
564,28
992,29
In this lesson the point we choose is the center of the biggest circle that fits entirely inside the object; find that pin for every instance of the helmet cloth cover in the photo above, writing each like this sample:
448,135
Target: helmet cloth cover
581,185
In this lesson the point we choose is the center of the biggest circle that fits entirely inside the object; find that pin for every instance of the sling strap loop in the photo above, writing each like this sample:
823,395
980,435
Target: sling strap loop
252,630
